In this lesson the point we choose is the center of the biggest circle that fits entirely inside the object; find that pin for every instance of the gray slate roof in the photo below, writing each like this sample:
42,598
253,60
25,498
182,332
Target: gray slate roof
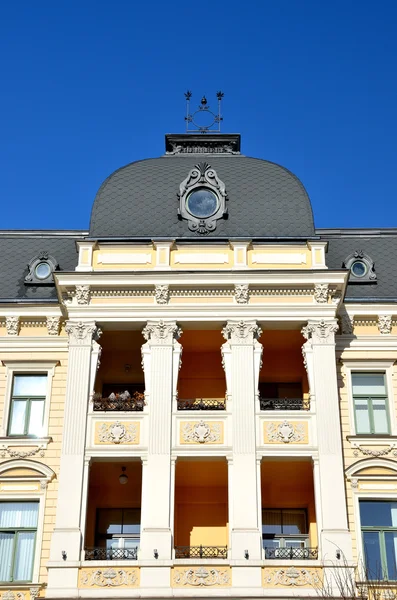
15,254
140,200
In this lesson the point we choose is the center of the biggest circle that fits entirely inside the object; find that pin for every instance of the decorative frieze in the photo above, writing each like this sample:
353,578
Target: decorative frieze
292,577
286,432
162,294
83,295
34,592
116,433
241,293
321,293
374,453
201,432
201,577
12,325
6,452
12,595
384,324
108,578
53,324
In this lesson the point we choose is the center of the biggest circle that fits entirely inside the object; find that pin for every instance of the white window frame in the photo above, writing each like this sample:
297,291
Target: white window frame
370,366
27,368
17,490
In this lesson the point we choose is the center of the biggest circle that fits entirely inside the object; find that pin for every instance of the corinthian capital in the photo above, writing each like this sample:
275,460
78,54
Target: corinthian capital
81,333
241,332
161,332
321,332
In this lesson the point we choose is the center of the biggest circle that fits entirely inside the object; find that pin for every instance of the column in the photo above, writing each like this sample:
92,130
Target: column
67,535
241,358
320,360
161,358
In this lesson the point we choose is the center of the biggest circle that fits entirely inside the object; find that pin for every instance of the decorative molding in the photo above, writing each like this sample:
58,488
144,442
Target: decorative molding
81,332
201,577
201,259
322,332
292,577
162,294
354,483
241,332
109,577
202,176
10,595
83,294
262,258
123,258
241,293
161,332
384,324
12,325
42,257
202,433
53,324
321,293
346,324
5,451
34,592
357,448
118,433
286,432
360,255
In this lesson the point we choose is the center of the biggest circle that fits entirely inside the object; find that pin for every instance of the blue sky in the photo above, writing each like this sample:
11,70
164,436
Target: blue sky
90,85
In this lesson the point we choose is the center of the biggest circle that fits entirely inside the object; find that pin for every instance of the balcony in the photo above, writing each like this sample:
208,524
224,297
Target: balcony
111,553
291,553
119,402
201,552
202,404
284,404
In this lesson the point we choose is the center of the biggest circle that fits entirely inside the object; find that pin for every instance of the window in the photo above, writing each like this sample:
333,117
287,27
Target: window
18,528
27,405
379,532
280,390
284,528
118,527
370,403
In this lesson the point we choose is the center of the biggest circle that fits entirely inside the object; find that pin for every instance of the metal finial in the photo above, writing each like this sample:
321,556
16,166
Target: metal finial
203,119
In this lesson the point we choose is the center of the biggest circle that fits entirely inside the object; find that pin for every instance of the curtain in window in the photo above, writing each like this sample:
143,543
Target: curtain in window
271,522
294,522
6,546
18,514
24,556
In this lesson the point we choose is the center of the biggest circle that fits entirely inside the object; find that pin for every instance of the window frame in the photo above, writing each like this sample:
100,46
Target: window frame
370,408
283,538
370,366
380,530
16,531
27,368
103,537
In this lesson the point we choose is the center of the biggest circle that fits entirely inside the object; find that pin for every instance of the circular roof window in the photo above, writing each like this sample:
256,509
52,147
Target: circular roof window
42,270
202,203
359,268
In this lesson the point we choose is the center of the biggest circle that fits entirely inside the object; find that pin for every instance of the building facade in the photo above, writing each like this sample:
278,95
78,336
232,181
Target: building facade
198,395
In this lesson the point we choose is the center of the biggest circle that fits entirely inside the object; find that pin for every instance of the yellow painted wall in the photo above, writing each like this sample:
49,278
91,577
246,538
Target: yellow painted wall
289,484
201,374
201,503
52,453
105,491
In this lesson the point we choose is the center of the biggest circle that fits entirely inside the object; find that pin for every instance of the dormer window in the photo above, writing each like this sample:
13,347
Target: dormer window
361,266
41,268
202,203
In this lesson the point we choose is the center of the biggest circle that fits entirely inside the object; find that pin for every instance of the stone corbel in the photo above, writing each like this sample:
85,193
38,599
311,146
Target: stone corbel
81,333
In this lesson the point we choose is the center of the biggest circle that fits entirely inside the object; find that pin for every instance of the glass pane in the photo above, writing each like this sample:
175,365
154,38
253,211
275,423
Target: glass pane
131,542
378,514
369,384
18,514
271,522
24,556
131,520
18,416
294,522
362,415
36,417
30,385
372,554
380,416
6,547
391,554
295,543
113,543
109,520
271,543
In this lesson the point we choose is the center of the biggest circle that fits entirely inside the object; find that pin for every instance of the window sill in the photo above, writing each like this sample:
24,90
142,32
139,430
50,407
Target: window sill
361,445
25,440
38,445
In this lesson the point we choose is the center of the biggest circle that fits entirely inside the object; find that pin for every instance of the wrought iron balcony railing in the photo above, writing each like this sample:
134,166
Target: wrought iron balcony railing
202,404
291,553
111,553
284,404
123,401
200,551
